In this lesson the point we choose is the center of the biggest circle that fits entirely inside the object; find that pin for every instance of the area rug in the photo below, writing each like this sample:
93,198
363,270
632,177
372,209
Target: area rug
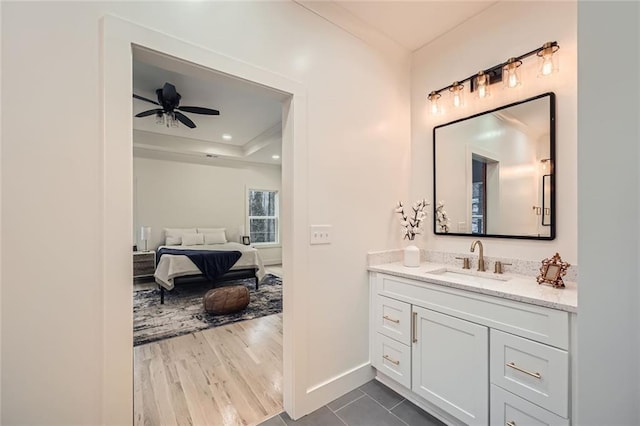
183,311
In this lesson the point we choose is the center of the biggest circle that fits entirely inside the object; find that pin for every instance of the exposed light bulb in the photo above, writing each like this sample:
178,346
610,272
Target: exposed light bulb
547,65
482,85
435,105
510,73
548,59
457,91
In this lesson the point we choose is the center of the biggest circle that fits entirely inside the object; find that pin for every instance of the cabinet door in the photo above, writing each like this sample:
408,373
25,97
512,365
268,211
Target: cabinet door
450,365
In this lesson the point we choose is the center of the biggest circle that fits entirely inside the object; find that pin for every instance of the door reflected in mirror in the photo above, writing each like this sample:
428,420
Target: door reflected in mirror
494,171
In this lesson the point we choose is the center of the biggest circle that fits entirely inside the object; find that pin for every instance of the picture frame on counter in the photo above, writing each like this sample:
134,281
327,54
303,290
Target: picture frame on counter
552,271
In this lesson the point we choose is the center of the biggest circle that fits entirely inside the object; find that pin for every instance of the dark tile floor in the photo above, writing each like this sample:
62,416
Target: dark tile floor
372,404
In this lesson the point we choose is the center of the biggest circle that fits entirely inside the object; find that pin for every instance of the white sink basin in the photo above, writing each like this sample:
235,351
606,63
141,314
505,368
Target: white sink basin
466,275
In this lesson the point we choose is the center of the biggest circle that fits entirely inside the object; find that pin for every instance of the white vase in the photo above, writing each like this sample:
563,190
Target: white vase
411,256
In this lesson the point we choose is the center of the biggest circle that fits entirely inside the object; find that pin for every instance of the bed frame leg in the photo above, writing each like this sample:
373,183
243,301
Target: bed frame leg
161,295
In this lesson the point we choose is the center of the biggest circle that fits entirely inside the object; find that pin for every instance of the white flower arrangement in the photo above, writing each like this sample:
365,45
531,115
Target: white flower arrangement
412,224
442,218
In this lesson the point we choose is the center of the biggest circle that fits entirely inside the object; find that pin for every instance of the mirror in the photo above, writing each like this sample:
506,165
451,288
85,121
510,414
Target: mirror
494,172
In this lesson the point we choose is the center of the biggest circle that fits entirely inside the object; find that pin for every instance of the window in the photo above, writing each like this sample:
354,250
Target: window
263,215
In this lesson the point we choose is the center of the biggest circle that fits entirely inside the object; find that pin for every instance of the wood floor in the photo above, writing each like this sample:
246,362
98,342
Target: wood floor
229,375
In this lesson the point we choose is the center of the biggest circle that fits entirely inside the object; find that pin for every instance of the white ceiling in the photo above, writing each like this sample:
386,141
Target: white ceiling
250,113
412,24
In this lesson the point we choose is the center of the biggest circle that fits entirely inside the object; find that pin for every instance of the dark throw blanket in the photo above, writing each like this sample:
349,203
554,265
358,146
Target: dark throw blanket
211,263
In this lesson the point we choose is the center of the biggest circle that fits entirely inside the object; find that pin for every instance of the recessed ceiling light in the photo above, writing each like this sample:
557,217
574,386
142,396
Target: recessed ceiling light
227,137
275,157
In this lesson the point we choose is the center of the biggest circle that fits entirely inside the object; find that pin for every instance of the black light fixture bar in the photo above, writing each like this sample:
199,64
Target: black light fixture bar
495,72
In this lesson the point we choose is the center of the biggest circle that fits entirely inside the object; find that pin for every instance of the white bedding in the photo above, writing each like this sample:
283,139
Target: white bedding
171,266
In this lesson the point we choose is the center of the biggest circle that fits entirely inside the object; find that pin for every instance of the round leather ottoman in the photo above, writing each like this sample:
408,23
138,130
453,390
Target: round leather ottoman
226,300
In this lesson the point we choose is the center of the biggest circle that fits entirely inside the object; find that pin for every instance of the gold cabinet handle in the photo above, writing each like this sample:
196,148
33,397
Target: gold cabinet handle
511,423
388,318
391,360
413,327
515,367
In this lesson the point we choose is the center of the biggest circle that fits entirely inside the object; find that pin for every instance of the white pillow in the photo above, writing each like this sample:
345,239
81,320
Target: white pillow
210,230
173,236
217,237
192,239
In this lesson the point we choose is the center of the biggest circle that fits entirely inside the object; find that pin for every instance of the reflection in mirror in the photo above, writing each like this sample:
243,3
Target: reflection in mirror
494,171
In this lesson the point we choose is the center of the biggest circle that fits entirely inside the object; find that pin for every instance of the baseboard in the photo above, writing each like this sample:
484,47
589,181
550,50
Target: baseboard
325,392
269,262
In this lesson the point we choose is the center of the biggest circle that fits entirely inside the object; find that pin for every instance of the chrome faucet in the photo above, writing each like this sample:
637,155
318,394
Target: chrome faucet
480,256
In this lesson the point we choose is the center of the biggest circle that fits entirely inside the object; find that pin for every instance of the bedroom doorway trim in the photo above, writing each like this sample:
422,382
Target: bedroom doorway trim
119,38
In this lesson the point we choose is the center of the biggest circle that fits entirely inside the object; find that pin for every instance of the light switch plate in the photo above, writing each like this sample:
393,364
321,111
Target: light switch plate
320,234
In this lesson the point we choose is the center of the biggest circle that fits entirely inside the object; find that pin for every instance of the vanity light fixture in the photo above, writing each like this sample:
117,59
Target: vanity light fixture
457,93
548,59
435,105
546,164
507,72
510,73
482,84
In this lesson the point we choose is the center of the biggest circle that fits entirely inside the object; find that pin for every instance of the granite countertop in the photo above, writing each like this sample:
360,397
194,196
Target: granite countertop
520,288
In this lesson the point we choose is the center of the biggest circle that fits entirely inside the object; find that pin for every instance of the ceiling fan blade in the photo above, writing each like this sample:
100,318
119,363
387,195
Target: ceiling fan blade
150,112
199,110
184,119
145,99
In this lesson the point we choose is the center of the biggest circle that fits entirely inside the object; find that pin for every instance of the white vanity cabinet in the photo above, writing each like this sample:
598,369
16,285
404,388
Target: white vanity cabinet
471,358
450,364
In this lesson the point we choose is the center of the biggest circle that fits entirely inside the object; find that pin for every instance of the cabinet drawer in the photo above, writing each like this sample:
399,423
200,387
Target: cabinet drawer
536,372
537,323
393,359
393,319
510,410
143,269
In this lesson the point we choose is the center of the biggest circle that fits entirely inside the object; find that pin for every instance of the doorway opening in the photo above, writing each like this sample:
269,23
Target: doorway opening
195,174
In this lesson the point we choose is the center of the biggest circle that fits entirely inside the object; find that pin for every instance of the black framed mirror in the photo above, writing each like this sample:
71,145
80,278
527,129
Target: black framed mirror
494,172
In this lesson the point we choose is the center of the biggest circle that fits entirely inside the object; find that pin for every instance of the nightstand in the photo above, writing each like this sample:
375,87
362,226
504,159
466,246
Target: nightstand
144,263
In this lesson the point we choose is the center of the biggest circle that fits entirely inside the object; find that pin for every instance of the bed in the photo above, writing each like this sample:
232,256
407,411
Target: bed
172,269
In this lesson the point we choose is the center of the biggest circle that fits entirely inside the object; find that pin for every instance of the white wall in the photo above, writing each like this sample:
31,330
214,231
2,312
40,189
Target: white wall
608,190
501,31
53,291
173,194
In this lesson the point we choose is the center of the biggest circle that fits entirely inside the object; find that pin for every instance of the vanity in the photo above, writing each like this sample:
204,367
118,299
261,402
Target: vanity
472,347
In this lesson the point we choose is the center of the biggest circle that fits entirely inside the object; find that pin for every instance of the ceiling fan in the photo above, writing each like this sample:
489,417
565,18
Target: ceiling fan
169,100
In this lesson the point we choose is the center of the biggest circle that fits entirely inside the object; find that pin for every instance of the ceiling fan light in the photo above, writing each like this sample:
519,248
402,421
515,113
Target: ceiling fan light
160,118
